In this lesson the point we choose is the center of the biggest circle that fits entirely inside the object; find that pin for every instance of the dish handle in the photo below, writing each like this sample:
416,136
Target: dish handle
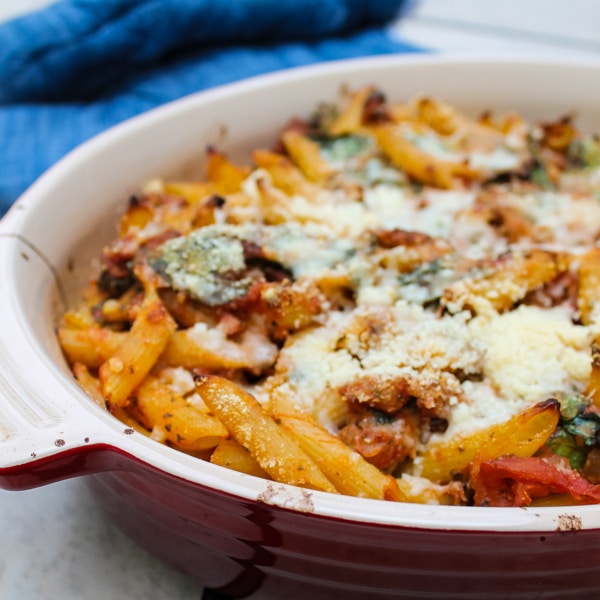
47,434
49,429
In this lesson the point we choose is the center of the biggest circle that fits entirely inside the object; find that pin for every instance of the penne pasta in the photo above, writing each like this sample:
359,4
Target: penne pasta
153,400
522,435
307,156
231,455
593,387
91,346
350,120
193,191
284,174
130,364
349,472
137,216
183,425
416,163
223,174
89,383
268,443
209,348
510,282
588,292
441,117
190,429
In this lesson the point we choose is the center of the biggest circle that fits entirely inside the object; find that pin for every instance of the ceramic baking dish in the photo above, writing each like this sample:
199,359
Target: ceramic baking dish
246,536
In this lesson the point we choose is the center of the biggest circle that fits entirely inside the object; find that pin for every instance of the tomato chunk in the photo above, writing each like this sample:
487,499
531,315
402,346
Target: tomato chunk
515,481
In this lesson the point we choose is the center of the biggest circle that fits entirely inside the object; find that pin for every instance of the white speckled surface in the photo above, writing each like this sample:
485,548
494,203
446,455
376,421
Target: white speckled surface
55,544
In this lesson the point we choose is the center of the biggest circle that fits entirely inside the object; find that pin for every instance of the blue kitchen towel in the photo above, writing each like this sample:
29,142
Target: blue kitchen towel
79,66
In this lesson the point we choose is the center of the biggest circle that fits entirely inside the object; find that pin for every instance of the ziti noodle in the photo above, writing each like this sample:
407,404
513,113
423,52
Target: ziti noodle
395,301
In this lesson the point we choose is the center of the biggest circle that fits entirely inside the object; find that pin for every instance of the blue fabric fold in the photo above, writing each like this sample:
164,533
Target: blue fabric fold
79,66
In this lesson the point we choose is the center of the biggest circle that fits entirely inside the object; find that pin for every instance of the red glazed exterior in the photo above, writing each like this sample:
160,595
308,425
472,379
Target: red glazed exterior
263,552
249,550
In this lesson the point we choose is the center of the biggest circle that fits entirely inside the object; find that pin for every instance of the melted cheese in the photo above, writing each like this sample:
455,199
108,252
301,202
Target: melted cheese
531,353
524,356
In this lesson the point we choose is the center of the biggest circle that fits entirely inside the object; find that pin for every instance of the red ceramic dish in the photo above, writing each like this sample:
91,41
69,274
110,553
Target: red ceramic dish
243,535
